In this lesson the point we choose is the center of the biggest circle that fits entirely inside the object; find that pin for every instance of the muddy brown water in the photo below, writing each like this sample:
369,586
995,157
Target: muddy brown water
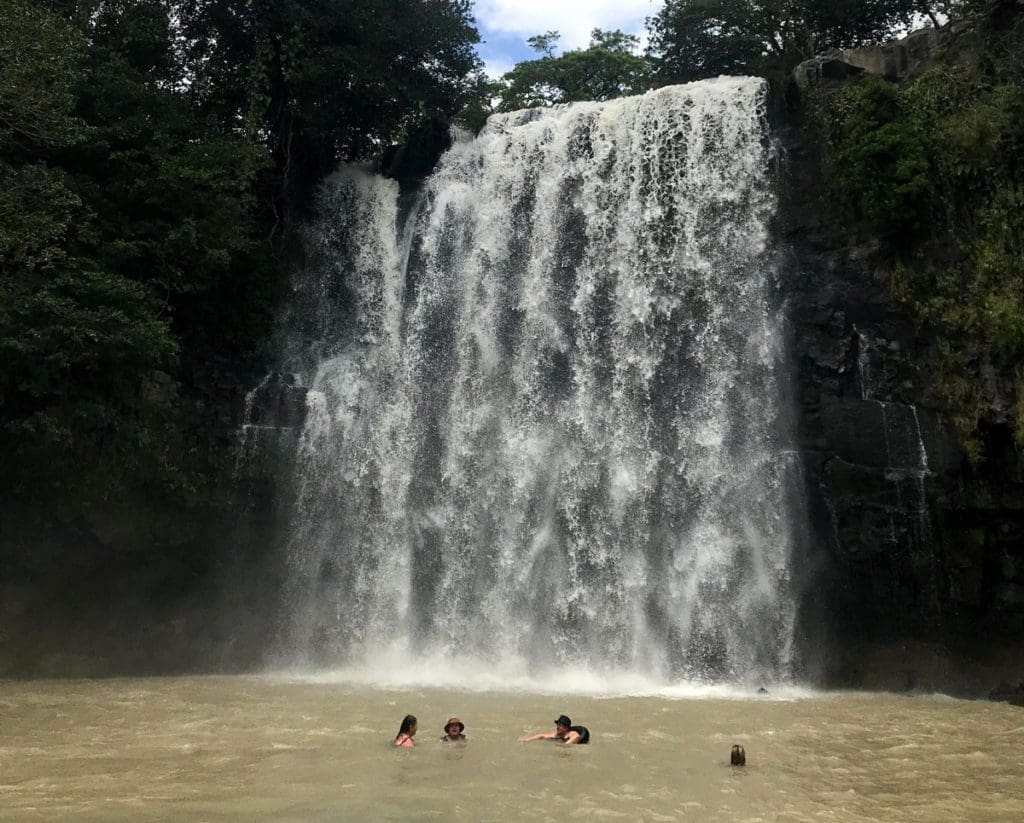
234,748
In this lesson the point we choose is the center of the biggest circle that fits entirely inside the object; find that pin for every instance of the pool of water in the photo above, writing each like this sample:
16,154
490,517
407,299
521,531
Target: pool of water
275,748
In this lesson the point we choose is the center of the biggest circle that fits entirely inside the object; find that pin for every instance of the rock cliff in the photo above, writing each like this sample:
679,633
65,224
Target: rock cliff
146,583
915,559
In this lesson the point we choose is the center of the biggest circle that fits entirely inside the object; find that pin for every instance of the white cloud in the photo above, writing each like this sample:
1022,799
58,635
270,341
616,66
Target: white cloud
573,18
498,67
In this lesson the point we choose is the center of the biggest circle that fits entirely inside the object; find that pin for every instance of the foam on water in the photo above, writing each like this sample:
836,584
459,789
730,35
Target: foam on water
395,671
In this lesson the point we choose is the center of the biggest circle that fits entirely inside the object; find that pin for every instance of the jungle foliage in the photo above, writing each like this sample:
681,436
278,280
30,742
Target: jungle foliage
695,39
609,67
153,156
936,169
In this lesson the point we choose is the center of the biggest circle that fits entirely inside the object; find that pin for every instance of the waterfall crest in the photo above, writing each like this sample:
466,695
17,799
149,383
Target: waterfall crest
542,422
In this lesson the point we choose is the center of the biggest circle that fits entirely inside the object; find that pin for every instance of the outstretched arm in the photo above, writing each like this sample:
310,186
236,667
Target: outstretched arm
532,737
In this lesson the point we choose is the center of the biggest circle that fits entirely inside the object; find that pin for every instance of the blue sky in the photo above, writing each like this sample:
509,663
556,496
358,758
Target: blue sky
505,24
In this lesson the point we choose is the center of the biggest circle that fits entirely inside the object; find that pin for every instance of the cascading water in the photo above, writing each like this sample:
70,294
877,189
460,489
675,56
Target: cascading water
542,425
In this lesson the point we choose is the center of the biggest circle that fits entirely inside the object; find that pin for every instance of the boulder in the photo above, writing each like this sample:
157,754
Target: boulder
827,67
897,61
901,60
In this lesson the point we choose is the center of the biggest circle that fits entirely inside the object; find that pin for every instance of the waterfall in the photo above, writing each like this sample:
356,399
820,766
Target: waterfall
543,408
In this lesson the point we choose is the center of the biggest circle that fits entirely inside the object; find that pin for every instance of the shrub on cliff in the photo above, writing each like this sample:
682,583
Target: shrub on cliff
936,169
879,160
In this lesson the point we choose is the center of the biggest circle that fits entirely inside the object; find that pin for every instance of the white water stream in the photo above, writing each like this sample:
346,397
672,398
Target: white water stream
541,431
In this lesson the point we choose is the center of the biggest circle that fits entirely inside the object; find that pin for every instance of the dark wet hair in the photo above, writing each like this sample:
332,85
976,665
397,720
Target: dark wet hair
407,723
738,757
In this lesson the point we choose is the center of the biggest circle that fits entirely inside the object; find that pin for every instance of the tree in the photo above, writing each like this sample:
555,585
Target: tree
609,67
320,81
544,43
694,39
76,337
39,56
152,154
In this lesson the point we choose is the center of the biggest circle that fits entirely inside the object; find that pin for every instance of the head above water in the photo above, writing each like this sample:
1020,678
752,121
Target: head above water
738,757
454,726
408,725
563,720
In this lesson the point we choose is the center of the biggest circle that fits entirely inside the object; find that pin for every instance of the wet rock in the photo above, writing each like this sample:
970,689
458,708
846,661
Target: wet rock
1006,692
828,67
279,402
901,60
911,544
415,159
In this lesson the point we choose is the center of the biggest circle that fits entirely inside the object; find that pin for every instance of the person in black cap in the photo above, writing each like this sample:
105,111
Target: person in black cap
564,731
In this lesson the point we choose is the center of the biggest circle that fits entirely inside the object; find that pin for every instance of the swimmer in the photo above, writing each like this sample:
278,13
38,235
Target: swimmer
406,732
564,731
738,757
453,731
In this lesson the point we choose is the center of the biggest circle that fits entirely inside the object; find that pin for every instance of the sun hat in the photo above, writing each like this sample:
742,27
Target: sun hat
454,721
563,720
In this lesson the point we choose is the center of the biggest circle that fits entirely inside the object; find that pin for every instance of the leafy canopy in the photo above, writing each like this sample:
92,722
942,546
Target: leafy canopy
608,68
320,81
696,39
153,158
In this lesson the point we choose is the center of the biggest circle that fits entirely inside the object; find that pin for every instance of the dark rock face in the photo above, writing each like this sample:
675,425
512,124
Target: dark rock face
144,585
912,542
413,161
1008,693
918,555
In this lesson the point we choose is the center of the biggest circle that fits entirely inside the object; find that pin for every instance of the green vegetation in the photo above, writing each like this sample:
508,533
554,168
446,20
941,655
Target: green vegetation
936,168
697,39
608,68
694,39
154,156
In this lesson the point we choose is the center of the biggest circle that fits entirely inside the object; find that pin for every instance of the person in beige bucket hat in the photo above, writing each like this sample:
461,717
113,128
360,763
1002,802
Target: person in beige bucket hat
453,731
